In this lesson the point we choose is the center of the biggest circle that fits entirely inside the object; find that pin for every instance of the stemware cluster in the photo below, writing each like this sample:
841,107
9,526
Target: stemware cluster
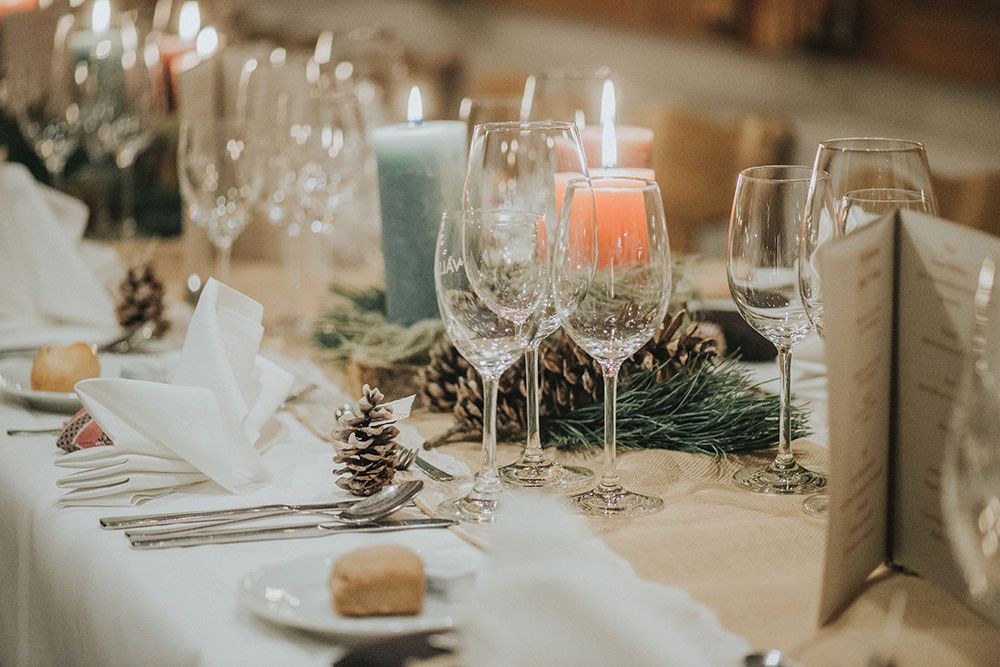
103,94
537,245
782,216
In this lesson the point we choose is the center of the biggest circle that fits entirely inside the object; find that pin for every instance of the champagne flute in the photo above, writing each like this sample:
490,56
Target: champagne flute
612,289
219,181
856,181
489,271
970,473
762,265
525,166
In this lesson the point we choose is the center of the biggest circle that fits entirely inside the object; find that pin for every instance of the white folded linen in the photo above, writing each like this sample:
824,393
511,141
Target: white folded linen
48,281
204,424
552,594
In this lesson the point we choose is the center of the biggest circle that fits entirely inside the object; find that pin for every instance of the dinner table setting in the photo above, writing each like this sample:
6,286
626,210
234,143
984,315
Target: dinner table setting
522,434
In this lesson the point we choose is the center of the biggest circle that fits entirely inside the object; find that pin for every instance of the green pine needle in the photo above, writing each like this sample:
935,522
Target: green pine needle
715,409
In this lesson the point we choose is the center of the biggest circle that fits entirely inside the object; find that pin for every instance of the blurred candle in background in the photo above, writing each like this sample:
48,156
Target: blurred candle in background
630,146
421,168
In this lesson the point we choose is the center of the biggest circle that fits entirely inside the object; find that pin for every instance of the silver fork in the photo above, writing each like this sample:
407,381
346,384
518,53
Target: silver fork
408,457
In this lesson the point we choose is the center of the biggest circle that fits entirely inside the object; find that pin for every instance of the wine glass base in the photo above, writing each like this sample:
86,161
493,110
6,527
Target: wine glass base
773,480
544,474
469,509
616,502
817,505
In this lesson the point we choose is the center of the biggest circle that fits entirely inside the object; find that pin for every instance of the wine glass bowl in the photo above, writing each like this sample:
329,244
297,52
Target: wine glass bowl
855,181
970,472
524,166
612,289
482,334
219,180
763,270
572,95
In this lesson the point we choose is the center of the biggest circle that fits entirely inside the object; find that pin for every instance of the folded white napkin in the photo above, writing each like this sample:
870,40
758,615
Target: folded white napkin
49,285
203,424
551,594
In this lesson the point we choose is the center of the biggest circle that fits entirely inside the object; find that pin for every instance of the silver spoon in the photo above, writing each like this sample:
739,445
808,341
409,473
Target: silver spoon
369,510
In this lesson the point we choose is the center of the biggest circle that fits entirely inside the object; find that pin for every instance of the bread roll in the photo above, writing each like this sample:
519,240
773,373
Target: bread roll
58,368
378,581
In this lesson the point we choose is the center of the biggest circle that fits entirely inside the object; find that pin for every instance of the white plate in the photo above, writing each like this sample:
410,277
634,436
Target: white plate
15,382
297,594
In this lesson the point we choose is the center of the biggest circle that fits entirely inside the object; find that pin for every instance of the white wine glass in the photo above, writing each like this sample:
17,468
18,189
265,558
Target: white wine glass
970,473
856,181
508,259
219,181
565,94
612,287
762,266
525,167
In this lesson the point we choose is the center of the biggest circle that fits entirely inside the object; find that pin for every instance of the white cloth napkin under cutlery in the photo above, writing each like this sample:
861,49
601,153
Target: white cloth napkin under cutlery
204,424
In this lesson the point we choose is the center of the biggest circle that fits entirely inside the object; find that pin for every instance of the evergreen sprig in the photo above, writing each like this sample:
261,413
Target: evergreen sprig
714,409
355,324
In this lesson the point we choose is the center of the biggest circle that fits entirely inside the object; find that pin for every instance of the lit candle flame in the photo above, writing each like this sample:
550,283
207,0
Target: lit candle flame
100,16
609,140
324,47
189,21
207,42
415,108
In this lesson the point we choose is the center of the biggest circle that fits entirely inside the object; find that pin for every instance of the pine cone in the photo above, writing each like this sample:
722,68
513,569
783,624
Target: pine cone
570,378
141,300
369,456
439,379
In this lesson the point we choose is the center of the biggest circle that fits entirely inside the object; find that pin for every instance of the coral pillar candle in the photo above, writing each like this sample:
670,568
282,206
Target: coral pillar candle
173,48
421,166
622,235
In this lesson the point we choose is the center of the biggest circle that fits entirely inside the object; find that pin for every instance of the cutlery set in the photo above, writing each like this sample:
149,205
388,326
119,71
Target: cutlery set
187,529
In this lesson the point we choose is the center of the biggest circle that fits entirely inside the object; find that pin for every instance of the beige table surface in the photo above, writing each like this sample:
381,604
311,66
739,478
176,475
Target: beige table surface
756,560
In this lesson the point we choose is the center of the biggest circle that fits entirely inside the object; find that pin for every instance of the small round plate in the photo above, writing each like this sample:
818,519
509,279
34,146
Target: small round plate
15,383
297,594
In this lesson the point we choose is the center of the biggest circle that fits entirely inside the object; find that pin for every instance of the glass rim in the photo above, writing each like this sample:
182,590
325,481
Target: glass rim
750,173
573,73
905,195
881,145
524,125
648,185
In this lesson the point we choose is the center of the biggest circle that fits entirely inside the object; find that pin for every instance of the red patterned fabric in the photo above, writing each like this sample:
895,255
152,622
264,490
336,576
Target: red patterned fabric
81,432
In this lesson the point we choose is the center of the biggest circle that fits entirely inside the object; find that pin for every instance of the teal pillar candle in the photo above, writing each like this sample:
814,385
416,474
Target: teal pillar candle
421,170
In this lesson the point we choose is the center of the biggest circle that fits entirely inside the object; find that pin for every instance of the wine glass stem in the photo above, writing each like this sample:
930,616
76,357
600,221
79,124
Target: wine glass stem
784,459
610,478
487,481
127,196
225,253
293,268
533,448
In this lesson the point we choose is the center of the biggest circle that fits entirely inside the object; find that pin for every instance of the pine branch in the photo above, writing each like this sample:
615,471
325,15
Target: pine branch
714,409
355,324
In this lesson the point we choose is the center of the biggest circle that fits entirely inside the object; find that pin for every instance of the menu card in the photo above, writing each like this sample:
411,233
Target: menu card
898,311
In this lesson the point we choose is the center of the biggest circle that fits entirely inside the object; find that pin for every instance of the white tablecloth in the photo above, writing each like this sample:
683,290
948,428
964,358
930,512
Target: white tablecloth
74,594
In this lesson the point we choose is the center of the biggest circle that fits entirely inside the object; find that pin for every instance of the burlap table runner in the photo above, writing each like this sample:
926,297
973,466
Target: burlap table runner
757,560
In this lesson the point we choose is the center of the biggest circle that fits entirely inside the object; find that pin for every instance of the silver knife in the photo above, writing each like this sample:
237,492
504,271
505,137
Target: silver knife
285,533
142,520
432,470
